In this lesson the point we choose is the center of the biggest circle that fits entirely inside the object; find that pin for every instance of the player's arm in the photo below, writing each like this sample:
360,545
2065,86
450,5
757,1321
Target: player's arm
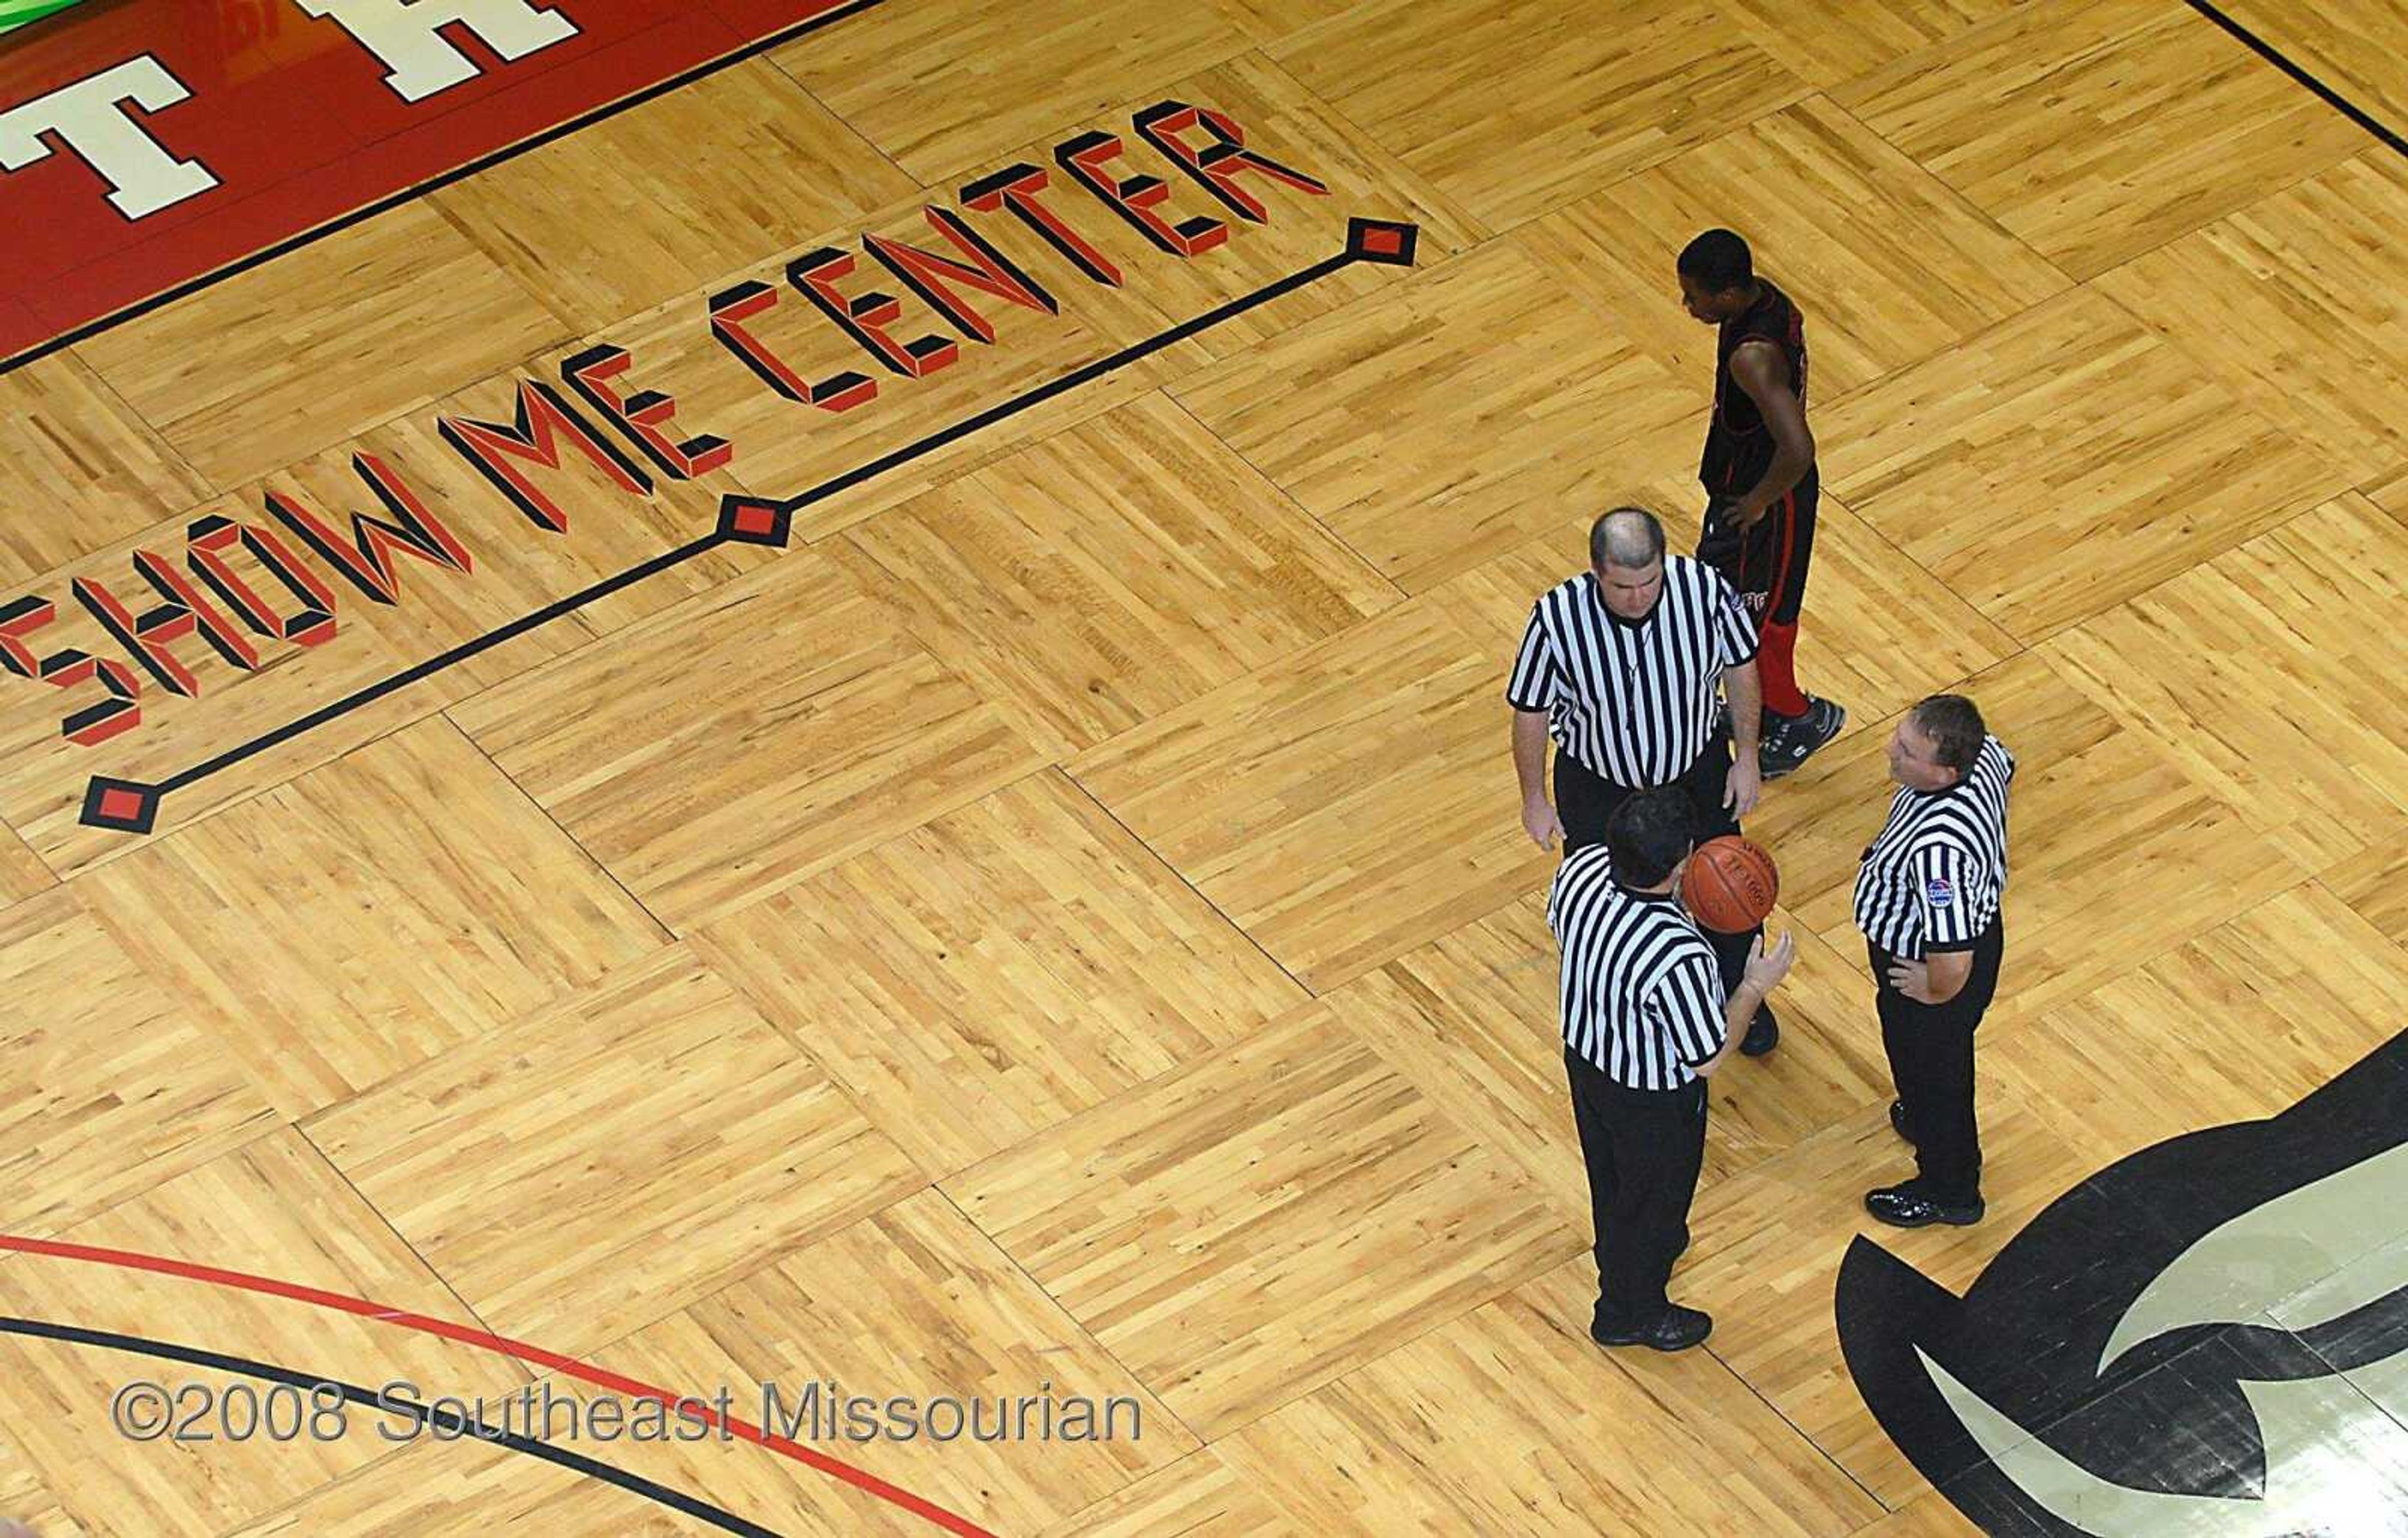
1764,373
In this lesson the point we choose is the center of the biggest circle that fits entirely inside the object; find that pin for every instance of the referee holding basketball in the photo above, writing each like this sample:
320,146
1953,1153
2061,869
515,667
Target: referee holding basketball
1927,894
1645,1020
1621,665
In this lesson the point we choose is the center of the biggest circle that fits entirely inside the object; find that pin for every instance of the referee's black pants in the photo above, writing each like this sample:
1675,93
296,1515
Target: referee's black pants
1643,1148
1930,1048
1584,800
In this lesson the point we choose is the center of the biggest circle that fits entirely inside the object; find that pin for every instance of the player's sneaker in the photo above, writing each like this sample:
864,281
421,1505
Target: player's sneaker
1791,740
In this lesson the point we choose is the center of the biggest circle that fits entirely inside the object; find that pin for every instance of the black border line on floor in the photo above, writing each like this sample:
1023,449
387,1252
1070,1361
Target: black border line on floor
2283,62
164,1398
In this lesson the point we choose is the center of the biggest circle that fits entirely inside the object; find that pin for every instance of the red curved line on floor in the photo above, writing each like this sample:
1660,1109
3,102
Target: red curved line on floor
744,1431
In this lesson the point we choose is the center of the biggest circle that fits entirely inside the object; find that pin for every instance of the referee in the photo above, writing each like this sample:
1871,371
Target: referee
1928,896
1645,1019
1621,665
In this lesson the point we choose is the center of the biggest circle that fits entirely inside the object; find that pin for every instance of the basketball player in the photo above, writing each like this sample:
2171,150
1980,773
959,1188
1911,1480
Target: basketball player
1761,487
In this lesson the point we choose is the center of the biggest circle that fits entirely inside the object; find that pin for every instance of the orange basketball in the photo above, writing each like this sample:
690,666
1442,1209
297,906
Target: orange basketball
1731,884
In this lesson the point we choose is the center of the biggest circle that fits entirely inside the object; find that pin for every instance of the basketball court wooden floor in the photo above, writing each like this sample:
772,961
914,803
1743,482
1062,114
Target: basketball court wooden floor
593,812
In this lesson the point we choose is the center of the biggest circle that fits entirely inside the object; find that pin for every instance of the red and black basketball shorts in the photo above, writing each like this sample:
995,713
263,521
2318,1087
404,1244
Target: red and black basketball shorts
1767,561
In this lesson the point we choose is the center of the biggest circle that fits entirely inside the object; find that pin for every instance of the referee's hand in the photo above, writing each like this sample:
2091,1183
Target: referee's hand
1744,785
1538,819
1766,968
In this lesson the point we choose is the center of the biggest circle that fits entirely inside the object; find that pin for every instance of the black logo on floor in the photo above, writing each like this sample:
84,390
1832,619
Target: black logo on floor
2208,1337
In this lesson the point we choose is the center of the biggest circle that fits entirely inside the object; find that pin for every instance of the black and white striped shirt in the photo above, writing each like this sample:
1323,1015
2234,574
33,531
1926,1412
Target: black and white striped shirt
1641,999
1933,878
1632,700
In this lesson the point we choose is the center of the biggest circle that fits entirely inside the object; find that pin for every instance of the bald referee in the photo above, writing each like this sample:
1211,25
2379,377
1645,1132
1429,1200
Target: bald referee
1927,895
1622,666
1646,1018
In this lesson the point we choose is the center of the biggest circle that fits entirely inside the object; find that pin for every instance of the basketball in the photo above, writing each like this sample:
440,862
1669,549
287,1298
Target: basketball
1731,884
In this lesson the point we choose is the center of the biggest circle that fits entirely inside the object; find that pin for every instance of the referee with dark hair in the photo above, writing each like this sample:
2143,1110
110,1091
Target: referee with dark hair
1622,665
1645,1019
1927,895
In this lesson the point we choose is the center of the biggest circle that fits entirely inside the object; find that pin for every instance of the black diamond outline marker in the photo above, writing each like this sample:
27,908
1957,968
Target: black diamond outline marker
104,790
741,522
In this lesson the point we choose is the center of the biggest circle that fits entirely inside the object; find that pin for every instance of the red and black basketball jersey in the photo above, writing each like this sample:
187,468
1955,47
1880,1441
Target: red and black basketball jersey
1738,446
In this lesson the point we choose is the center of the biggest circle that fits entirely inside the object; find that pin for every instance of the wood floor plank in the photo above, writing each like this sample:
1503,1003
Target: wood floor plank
1092,581
2272,301
2062,462
2295,988
23,874
1831,44
1015,962
941,89
780,715
2260,657
1380,751
2374,883
673,1142
464,1481
126,1093
369,915
1548,124
1200,1496
1237,1233
2344,43
1454,419
666,196
1606,1442
913,1302
77,467
23,1493
2030,116
1927,1516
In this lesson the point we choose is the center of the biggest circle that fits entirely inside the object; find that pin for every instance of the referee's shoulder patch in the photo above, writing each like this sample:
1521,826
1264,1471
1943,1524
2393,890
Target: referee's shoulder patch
1938,892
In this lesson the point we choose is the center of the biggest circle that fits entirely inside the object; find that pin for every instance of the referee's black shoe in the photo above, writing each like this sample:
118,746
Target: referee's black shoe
1763,1033
1907,1206
1898,1121
1676,1328
1790,741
